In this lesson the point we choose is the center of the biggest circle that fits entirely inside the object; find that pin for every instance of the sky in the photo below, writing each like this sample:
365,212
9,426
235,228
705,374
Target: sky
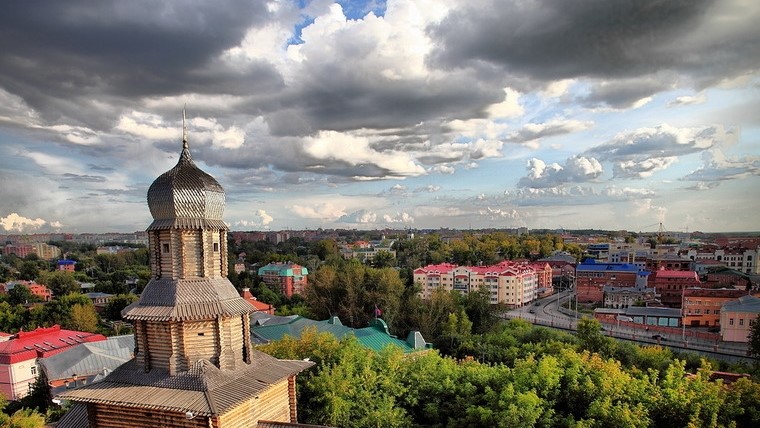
557,114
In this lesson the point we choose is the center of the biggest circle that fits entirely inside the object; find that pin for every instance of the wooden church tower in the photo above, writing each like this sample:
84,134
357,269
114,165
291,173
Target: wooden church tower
194,365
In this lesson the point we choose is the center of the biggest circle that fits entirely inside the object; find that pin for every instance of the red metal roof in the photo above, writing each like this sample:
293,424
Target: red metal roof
676,274
42,342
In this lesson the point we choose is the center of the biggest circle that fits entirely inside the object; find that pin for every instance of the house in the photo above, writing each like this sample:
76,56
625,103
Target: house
290,278
257,304
100,300
623,297
194,364
66,265
374,337
38,290
19,355
86,363
736,317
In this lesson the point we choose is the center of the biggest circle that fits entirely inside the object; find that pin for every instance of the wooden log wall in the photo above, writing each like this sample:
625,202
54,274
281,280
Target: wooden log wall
232,340
160,347
200,340
110,416
192,254
273,404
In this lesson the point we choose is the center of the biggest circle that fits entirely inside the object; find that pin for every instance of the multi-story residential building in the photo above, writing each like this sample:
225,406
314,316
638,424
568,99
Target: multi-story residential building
21,250
737,316
38,290
18,355
509,283
702,306
291,278
671,283
543,277
591,277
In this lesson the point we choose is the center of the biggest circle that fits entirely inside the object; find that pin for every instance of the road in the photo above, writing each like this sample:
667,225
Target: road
546,312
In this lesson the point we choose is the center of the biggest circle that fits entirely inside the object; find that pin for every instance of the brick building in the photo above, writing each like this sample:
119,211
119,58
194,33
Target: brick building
591,277
66,265
702,306
291,278
671,283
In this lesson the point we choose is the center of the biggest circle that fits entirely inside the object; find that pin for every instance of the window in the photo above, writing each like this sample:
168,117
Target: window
741,321
34,370
730,321
164,247
216,247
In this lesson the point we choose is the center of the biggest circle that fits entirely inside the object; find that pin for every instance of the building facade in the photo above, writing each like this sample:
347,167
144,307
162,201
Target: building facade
591,277
671,283
736,317
19,354
290,278
702,306
509,283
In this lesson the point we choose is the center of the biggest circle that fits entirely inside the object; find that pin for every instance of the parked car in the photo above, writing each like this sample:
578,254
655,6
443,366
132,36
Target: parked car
658,337
532,311
537,303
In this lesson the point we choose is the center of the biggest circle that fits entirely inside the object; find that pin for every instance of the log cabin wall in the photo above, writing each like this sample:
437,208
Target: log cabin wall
273,404
108,416
192,254
160,345
200,341
232,340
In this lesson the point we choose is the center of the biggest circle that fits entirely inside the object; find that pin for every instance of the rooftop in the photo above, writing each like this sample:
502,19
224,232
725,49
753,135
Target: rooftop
42,342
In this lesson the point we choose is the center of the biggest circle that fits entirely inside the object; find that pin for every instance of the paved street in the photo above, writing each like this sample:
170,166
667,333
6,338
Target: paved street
546,313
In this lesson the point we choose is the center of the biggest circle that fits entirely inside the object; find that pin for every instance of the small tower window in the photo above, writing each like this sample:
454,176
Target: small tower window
164,248
216,247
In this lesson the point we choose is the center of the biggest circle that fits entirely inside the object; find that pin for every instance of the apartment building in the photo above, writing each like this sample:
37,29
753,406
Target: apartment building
509,283
736,318
291,278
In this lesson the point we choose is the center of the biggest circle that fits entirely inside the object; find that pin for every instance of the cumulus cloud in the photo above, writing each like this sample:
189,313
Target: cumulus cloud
498,213
574,195
717,167
399,217
577,169
324,210
641,153
430,188
16,223
626,93
260,219
361,217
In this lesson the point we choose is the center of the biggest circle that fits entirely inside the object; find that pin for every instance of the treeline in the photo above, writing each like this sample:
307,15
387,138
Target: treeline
544,378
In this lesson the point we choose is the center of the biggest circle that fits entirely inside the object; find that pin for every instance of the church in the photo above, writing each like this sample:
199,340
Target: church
194,364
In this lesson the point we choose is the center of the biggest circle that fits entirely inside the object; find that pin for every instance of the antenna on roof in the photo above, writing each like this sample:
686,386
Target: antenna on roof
184,127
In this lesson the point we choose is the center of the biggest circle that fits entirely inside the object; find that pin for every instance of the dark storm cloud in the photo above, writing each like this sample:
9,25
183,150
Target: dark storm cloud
58,55
554,39
623,94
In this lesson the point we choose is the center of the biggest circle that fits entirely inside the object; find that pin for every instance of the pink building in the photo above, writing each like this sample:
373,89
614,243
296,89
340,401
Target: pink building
18,355
737,316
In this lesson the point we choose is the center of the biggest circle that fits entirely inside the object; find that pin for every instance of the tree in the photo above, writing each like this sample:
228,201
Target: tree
590,336
60,282
383,259
114,307
21,295
754,338
83,318
29,270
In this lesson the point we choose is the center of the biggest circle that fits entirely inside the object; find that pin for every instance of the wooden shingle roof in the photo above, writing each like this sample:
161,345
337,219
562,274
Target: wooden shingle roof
187,299
204,389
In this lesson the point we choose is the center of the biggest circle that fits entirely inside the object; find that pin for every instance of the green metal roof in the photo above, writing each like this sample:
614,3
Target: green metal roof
374,337
281,269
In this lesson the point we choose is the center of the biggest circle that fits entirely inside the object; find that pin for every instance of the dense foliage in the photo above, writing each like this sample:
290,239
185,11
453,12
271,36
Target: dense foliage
546,379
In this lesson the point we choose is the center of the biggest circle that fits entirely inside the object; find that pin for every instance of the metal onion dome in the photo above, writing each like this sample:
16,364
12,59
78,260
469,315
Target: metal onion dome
186,197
